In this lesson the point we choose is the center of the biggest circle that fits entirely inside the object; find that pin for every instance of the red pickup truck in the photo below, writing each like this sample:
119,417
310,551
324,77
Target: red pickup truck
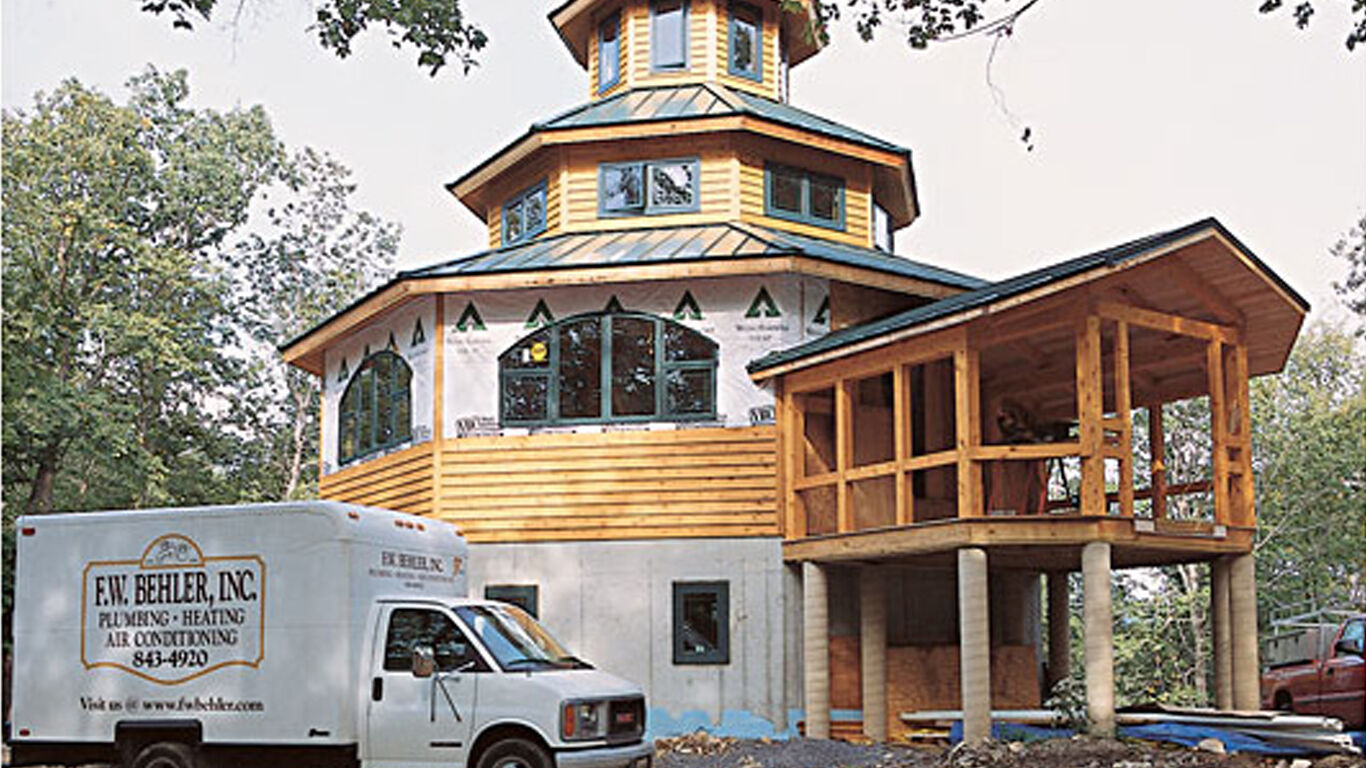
1333,683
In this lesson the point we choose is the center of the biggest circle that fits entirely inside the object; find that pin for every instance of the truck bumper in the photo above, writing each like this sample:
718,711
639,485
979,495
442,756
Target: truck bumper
633,756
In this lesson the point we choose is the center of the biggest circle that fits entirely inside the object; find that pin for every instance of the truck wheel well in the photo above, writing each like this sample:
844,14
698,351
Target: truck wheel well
134,736
500,732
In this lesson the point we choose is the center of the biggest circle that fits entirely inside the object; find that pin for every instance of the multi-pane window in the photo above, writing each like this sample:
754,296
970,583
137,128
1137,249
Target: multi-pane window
609,52
376,408
669,34
648,187
746,41
605,367
524,215
799,195
701,626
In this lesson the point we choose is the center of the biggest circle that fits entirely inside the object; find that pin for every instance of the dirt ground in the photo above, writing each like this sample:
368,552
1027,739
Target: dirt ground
702,751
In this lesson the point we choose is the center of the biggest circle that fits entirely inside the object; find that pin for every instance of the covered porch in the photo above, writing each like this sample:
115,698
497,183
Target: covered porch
999,440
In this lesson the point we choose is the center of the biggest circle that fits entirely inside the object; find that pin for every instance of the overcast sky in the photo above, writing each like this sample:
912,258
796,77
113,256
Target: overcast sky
1145,115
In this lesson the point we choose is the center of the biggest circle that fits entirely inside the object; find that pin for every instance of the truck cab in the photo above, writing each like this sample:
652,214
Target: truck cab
481,683
1332,684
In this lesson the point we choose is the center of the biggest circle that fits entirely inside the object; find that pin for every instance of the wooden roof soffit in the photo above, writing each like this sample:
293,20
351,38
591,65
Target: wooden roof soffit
1231,324
892,169
306,351
574,21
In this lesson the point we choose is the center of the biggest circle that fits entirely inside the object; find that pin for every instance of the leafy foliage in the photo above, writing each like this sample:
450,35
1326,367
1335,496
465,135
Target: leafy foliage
930,21
1352,249
436,28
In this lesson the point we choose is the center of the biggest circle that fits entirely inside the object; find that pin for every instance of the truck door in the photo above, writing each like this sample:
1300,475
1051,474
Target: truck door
418,721
1342,680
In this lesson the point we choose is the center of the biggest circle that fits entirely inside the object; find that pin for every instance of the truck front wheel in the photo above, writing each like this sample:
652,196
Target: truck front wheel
165,754
514,753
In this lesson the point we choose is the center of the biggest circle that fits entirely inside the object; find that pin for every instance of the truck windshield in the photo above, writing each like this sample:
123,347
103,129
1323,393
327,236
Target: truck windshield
515,639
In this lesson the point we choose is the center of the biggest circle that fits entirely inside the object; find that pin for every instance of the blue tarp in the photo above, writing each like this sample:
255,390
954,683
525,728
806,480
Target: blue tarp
1189,735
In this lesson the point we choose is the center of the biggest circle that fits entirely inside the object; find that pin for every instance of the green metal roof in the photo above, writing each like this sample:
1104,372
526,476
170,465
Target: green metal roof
992,292
643,105
681,244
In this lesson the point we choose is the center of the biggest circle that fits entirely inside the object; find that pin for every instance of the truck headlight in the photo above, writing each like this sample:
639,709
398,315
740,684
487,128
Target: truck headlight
583,720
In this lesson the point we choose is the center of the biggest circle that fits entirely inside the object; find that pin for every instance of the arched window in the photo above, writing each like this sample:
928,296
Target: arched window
601,367
376,409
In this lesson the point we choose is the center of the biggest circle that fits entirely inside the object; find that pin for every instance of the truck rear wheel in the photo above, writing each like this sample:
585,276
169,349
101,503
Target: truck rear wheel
514,753
165,754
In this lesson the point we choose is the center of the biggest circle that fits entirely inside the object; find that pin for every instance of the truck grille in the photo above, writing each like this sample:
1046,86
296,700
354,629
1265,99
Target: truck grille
625,719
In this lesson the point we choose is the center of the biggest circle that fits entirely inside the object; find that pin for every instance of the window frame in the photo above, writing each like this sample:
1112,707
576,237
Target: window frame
804,216
721,591
400,433
613,21
883,228
737,13
519,200
662,369
646,208
684,14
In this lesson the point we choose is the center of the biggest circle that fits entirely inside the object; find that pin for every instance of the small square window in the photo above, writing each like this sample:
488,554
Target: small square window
521,595
746,42
701,622
609,53
524,215
669,34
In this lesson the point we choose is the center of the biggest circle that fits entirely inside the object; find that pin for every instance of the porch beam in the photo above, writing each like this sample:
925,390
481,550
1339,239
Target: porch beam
1090,411
1163,321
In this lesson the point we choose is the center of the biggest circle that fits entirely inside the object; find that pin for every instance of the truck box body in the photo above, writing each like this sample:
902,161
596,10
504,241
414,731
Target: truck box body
250,620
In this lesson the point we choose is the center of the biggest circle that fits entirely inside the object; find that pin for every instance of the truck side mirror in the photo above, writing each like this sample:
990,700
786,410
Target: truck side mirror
424,661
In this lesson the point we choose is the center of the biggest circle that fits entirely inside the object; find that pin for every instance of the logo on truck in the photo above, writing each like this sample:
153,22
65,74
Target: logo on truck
174,614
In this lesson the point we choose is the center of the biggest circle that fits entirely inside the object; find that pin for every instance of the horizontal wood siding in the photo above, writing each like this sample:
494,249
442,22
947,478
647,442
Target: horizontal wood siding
581,184
701,18
619,485
400,481
547,168
756,153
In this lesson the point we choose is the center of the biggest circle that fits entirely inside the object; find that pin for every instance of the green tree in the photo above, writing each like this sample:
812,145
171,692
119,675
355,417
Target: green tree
436,28
1352,249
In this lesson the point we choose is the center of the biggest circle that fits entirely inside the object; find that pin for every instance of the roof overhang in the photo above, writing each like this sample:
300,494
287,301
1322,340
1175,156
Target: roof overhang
1200,271
574,21
893,181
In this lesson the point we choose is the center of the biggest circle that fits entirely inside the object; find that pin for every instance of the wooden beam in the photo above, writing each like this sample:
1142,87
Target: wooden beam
1124,409
1026,452
1214,302
968,418
844,453
1090,411
1214,370
1157,441
1246,512
1162,321
901,434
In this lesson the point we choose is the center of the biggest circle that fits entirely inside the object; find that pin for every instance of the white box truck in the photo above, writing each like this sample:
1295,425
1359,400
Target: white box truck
296,634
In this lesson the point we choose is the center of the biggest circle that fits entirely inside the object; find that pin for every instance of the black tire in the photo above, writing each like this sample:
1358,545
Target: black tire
165,754
514,753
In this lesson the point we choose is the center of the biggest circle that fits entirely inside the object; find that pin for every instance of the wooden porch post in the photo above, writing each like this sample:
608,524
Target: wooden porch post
1124,410
968,420
1218,413
1157,442
1090,412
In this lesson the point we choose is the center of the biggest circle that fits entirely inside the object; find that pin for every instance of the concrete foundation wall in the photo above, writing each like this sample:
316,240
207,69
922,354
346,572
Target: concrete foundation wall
611,603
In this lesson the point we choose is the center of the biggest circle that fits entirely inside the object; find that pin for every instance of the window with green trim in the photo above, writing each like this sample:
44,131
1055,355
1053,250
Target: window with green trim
376,409
608,367
648,187
609,52
701,622
746,41
669,34
524,215
799,195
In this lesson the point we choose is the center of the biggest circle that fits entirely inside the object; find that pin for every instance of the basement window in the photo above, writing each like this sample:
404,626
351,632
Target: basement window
376,408
648,187
521,595
701,623
803,196
746,41
609,52
524,215
669,35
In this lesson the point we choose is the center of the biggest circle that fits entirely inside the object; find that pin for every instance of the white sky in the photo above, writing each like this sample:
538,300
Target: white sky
1146,115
